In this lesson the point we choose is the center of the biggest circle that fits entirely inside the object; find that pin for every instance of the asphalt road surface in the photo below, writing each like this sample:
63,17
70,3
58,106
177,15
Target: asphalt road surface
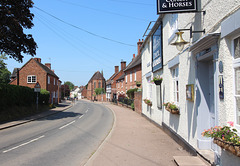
67,138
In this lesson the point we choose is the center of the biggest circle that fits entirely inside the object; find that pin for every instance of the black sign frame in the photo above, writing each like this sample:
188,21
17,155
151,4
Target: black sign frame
166,6
157,52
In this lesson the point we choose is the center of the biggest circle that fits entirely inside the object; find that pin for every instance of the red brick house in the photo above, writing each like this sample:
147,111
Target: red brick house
112,82
133,71
34,71
97,81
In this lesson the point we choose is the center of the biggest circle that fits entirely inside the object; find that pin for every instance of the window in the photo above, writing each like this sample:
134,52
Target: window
31,79
175,84
94,85
48,79
99,84
149,88
126,77
236,56
54,81
130,76
135,75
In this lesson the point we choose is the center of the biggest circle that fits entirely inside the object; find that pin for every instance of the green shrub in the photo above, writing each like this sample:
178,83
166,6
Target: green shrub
44,97
130,93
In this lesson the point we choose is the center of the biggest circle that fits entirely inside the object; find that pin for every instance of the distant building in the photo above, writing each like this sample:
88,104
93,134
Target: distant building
97,81
34,71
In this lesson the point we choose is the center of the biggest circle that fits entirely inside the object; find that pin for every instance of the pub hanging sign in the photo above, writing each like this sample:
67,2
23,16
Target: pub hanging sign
176,6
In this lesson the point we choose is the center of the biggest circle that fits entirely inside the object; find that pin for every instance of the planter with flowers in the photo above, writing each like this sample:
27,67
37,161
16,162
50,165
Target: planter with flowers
148,102
226,137
157,80
172,108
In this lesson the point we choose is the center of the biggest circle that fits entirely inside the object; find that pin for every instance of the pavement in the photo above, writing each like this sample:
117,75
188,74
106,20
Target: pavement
61,107
135,141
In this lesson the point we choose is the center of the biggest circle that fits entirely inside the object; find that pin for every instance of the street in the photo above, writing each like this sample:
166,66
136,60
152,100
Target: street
66,138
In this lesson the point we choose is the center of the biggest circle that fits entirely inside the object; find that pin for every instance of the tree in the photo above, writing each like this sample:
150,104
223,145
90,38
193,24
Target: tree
99,91
70,84
15,16
4,73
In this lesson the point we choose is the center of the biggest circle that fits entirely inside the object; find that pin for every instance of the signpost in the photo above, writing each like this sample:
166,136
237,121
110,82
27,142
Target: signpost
37,89
176,6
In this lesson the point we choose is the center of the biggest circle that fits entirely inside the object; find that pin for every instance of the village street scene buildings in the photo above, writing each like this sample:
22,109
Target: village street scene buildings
194,55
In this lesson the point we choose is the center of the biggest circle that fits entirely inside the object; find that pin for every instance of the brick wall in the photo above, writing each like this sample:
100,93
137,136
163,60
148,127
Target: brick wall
131,84
101,97
138,102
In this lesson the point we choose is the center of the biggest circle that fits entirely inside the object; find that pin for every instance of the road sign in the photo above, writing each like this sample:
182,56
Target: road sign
37,87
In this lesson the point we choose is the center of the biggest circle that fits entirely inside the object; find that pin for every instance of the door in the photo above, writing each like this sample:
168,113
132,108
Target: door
205,100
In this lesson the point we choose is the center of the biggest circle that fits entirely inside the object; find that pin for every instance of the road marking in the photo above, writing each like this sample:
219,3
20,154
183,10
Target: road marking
33,140
80,116
67,125
87,111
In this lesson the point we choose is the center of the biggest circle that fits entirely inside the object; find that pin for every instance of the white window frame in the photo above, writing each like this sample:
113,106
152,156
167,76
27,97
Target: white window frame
31,79
135,75
175,78
149,88
130,76
126,78
236,64
49,80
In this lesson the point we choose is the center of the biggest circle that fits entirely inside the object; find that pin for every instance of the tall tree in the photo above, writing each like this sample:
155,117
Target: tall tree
15,15
70,84
4,73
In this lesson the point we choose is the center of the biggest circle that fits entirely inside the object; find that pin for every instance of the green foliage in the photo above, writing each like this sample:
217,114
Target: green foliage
70,84
44,97
132,106
99,91
130,93
15,16
4,73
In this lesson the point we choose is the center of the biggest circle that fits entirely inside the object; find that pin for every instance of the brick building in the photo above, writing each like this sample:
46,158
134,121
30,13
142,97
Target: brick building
112,88
34,71
133,71
97,81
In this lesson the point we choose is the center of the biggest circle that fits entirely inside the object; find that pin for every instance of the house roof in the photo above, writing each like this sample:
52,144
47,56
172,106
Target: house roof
121,77
109,81
136,61
14,73
49,71
97,76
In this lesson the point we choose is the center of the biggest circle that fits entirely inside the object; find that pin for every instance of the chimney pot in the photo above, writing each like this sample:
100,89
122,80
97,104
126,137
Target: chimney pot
123,65
48,65
116,69
38,59
133,55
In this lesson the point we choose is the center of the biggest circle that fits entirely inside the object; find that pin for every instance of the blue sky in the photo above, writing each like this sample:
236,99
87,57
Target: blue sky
71,35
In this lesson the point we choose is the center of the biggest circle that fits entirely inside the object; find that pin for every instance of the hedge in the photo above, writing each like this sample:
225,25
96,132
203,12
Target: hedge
13,95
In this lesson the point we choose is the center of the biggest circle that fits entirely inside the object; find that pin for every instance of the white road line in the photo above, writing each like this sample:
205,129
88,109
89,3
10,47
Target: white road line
67,125
80,116
33,140
87,111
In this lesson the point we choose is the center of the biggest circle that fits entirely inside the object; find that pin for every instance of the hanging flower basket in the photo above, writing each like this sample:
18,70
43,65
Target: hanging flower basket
226,137
157,80
172,108
148,102
234,149
138,83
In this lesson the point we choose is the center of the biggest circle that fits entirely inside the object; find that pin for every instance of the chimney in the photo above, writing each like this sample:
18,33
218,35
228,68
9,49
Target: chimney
48,65
133,56
139,44
38,59
116,69
123,65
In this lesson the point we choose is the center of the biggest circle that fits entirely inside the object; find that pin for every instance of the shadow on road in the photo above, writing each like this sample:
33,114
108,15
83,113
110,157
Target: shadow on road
60,115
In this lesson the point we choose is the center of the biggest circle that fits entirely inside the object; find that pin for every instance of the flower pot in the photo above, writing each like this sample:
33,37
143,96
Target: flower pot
138,85
231,149
158,82
174,111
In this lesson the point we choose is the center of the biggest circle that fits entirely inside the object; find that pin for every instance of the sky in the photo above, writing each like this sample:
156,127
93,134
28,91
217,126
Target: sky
80,37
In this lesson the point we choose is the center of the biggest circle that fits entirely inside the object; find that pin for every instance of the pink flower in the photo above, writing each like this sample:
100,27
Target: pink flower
231,123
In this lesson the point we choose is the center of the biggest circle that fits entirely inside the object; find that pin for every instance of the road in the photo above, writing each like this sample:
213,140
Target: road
66,138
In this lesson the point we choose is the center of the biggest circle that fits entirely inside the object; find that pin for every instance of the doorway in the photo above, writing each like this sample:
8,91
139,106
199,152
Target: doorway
205,100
